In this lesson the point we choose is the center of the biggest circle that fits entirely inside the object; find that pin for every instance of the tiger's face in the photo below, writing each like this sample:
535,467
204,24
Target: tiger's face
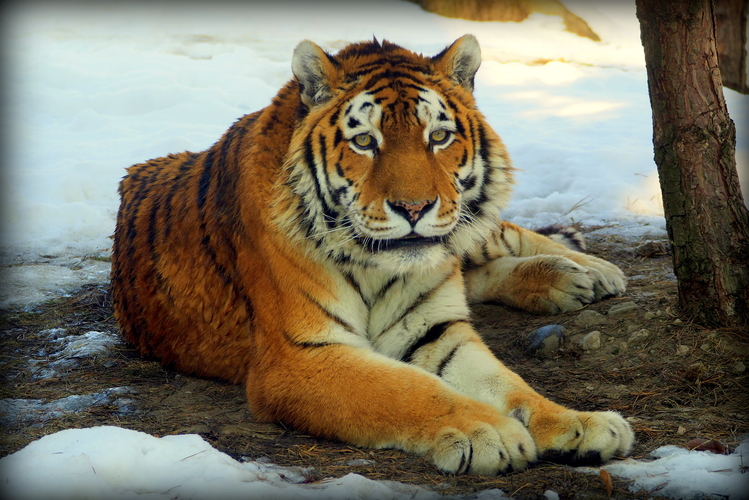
392,163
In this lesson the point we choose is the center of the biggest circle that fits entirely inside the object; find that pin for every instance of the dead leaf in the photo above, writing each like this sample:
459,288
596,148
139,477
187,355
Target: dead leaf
608,483
711,445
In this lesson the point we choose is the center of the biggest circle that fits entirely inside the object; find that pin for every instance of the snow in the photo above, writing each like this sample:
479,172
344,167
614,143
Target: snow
117,463
93,88
676,472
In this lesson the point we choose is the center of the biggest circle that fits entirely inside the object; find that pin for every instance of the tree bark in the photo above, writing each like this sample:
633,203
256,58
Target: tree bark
730,32
694,141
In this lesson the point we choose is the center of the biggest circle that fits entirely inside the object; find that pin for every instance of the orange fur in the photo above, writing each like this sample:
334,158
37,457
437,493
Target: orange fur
328,276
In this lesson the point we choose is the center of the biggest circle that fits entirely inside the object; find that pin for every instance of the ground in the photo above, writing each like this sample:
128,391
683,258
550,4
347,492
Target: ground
674,382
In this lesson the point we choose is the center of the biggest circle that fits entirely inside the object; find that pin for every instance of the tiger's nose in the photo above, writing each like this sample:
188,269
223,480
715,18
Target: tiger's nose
411,211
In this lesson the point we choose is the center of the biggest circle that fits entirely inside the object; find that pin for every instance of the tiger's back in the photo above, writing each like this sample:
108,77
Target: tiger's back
180,242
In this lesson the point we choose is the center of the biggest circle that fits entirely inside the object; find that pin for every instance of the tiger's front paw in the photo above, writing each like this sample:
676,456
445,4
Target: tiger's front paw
567,283
608,280
581,438
550,284
482,448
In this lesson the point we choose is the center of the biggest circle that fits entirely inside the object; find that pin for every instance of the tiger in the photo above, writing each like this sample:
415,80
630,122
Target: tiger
324,253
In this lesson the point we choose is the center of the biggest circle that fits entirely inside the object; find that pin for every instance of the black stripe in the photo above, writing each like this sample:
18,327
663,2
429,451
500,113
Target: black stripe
423,297
337,137
381,293
331,315
468,183
176,186
432,335
305,345
446,360
329,215
505,243
334,117
475,206
391,75
205,179
355,285
378,89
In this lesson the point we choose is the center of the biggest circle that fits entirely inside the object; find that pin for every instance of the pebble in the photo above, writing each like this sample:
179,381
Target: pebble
678,321
622,308
354,462
546,339
739,368
682,349
589,318
649,315
706,347
639,337
591,341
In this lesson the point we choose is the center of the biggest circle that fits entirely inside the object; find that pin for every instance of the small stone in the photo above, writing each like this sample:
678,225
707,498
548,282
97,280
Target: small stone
622,308
639,337
356,462
706,347
682,349
659,313
631,328
739,368
546,339
591,341
678,321
589,318
623,346
649,315
681,430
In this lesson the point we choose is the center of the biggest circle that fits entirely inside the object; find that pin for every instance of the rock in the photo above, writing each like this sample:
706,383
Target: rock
648,315
682,349
706,347
622,308
639,337
678,321
739,368
546,339
591,341
589,318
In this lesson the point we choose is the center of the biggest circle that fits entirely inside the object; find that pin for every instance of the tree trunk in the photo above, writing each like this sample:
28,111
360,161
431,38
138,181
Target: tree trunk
730,32
694,141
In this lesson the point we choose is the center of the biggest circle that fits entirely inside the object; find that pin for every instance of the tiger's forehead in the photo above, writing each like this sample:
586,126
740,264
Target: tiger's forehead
396,105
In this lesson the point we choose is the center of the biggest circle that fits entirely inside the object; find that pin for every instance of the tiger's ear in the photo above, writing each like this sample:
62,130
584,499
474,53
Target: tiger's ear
460,61
315,71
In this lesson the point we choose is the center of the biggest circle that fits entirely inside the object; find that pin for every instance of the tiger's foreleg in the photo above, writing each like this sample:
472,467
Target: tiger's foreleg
462,360
358,396
529,271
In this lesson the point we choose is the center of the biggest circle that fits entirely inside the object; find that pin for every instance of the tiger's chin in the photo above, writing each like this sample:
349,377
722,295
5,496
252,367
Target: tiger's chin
411,253
412,240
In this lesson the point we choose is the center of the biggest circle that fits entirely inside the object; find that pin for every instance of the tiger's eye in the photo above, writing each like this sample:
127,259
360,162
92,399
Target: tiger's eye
439,136
364,141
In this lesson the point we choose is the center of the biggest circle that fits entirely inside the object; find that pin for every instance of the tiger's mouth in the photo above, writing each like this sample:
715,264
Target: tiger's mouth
410,240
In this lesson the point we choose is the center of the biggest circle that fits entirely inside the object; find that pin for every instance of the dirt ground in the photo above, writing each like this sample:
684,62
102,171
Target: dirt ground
674,382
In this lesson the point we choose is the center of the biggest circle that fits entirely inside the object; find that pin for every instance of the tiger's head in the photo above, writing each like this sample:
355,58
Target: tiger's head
391,162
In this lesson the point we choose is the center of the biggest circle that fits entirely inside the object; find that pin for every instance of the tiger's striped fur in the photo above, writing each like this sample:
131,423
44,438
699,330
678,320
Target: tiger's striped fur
324,250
